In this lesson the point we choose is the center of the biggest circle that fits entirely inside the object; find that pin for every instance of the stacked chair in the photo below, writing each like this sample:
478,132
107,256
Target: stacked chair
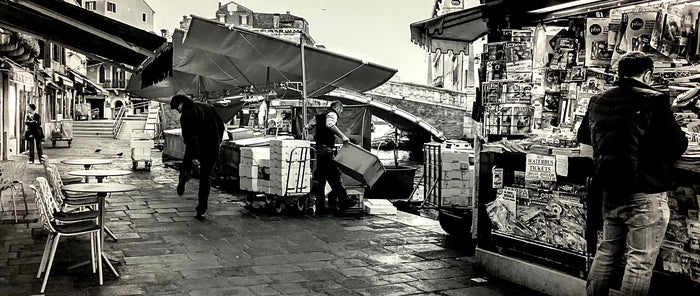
66,179
11,175
59,223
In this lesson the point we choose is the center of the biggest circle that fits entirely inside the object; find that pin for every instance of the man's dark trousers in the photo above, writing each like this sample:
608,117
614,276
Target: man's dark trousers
206,169
327,170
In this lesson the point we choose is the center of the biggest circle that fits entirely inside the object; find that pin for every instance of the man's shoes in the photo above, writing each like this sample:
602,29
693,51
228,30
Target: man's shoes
181,187
201,217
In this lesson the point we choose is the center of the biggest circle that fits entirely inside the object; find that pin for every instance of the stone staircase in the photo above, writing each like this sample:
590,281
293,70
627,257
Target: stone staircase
93,128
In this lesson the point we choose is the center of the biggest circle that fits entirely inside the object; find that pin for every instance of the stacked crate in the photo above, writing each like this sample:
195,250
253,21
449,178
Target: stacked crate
252,167
281,169
457,177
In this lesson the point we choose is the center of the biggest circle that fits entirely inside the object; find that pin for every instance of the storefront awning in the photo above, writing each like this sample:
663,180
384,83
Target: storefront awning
452,31
82,79
80,29
235,57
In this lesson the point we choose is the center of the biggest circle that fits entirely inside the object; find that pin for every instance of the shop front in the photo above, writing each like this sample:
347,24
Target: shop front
538,72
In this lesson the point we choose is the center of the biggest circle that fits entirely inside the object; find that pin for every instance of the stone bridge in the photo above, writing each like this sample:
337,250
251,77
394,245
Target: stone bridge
421,111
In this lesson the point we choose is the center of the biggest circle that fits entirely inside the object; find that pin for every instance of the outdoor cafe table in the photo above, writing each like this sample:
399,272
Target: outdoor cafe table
99,174
86,162
102,190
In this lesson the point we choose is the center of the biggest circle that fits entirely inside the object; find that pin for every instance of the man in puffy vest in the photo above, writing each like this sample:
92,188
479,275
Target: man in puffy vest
635,142
202,130
327,169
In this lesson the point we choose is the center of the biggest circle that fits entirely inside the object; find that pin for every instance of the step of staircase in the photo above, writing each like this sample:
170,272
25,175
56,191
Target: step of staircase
93,128
142,116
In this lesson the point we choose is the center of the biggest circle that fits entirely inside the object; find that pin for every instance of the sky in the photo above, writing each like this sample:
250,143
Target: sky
372,30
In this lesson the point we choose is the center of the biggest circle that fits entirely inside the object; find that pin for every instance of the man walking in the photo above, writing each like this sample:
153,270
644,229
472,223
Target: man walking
202,130
327,169
635,142
34,133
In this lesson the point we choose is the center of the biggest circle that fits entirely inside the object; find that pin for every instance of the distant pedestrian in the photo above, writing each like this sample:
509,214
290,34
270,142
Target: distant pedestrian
202,131
327,169
34,134
635,142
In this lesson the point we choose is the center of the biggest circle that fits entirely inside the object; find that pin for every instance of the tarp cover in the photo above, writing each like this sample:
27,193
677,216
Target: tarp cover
227,57
452,31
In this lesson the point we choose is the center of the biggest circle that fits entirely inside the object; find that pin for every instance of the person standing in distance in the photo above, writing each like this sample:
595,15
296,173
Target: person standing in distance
327,169
202,131
34,133
635,142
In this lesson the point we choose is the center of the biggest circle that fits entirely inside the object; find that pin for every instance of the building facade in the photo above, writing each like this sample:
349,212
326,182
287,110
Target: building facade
111,77
283,25
451,70
136,13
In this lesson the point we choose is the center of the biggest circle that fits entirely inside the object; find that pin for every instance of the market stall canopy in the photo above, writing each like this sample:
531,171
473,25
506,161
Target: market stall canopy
238,57
452,31
79,29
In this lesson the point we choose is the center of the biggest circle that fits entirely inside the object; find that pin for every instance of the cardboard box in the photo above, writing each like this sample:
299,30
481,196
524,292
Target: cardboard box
249,184
379,207
250,171
359,164
255,153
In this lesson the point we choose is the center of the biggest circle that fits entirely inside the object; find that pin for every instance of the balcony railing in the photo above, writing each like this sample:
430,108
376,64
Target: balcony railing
113,84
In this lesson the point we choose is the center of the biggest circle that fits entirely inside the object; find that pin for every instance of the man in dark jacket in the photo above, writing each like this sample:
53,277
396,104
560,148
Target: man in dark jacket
202,130
34,133
635,142
326,169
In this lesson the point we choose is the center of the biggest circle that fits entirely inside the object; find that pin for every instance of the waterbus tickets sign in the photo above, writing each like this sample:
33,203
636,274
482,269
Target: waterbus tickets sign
540,167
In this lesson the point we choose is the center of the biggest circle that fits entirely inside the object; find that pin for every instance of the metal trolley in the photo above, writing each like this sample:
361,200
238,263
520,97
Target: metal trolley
60,130
297,193
455,220
141,144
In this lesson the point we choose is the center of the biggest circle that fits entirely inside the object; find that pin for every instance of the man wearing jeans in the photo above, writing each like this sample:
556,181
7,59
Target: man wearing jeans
635,142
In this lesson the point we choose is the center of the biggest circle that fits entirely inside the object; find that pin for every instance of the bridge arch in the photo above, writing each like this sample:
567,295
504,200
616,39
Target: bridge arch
389,113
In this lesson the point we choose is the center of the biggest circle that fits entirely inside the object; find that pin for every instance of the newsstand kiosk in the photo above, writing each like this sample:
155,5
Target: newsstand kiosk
537,76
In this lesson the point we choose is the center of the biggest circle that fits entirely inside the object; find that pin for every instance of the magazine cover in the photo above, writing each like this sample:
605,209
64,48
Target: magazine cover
615,28
521,120
575,74
637,35
577,29
495,70
597,52
506,120
666,37
518,56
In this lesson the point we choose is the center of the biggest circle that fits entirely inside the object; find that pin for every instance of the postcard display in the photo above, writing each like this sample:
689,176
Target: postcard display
538,83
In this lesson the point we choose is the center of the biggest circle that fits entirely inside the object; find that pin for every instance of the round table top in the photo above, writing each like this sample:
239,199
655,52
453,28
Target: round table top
86,161
99,173
100,187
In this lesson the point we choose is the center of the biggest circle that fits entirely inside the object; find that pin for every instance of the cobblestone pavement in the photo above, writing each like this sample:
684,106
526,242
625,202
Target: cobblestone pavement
163,250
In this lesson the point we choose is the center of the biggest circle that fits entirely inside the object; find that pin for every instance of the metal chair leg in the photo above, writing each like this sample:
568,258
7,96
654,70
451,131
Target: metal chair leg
99,258
14,207
2,208
24,197
92,251
44,256
48,267
110,234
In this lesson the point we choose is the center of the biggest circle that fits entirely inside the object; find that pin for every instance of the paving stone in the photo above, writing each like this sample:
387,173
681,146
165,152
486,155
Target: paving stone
389,290
357,272
289,277
242,291
279,268
319,286
436,274
358,283
440,284
263,290
397,278
290,288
